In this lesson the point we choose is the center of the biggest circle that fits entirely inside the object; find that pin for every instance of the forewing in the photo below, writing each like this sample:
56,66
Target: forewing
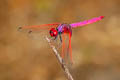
38,30
39,27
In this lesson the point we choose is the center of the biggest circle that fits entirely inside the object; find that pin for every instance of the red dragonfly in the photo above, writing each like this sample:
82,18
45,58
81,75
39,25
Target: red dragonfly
59,29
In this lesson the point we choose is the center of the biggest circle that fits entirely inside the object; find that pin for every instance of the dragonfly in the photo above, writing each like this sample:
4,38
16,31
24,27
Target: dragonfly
58,30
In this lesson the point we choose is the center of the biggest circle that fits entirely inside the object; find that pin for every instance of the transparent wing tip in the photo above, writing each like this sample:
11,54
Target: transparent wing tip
21,30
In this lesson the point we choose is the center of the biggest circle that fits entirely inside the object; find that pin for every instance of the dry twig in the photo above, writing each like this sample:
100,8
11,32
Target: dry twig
61,61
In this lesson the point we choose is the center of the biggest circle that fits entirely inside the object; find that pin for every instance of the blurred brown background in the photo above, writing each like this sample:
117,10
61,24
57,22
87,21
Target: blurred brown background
96,47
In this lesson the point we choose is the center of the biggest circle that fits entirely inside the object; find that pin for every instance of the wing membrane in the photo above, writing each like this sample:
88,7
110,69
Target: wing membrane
40,27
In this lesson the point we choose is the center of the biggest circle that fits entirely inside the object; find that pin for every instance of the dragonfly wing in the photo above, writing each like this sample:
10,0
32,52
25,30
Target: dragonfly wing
66,48
63,46
70,49
35,32
39,27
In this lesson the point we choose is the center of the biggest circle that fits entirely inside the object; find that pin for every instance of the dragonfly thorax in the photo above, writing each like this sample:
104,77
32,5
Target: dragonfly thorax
64,28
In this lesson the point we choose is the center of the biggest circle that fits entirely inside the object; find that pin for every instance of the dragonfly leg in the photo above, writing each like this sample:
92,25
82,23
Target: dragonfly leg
55,38
60,38
60,43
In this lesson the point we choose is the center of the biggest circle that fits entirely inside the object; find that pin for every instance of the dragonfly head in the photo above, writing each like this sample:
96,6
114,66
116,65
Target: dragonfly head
53,32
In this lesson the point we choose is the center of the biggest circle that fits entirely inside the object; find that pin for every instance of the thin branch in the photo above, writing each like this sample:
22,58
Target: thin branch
61,61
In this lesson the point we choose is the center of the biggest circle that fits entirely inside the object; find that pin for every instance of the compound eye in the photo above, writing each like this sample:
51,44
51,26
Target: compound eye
53,32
